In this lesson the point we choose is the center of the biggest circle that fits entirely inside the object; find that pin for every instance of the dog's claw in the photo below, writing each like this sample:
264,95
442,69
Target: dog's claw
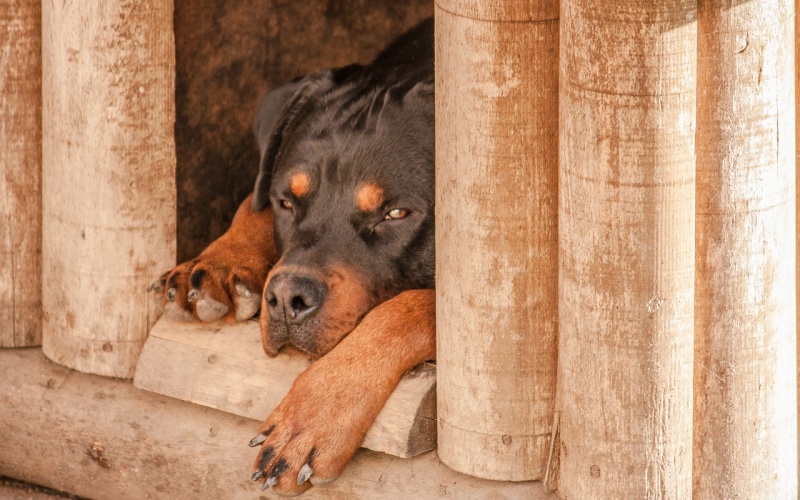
305,473
257,475
243,291
171,293
258,440
269,482
194,293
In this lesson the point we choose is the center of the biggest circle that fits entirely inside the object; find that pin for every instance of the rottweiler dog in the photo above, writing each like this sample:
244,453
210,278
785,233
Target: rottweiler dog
335,247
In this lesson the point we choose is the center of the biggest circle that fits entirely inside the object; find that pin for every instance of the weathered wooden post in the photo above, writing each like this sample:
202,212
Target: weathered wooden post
797,200
108,177
20,174
745,359
496,234
626,236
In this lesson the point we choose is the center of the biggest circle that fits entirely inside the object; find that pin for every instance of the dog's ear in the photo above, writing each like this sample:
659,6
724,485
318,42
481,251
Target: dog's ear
276,113
420,95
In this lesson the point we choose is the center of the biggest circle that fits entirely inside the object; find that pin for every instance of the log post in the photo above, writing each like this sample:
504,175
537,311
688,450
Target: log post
797,204
108,177
496,234
745,358
626,257
20,174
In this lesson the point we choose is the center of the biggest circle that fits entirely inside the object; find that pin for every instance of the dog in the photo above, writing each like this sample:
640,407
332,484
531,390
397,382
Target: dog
335,247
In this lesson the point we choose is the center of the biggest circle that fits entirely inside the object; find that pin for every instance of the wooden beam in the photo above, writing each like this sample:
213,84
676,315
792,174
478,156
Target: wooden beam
223,366
103,438
745,317
496,234
626,231
108,177
20,174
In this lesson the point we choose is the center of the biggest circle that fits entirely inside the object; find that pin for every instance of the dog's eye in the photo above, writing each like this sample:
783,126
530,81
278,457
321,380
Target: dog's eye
397,213
285,204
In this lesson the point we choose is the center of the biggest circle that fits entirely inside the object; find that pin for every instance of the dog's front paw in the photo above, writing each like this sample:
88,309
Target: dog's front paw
227,279
209,288
311,435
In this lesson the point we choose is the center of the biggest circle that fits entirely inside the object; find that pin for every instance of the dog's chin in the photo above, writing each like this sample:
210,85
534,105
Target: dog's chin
292,348
275,344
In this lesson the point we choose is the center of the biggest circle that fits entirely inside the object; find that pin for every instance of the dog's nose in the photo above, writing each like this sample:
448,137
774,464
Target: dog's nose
293,298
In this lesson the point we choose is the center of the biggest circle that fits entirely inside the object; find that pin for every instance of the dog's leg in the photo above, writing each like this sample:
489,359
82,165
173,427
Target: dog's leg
227,279
311,436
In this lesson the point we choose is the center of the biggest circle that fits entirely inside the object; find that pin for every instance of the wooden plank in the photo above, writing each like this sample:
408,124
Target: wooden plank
108,177
496,234
20,174
103,438
223,366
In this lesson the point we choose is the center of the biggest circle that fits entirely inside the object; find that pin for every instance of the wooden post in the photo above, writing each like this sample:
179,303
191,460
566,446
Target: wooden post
20,174
108,177
745,358
496,227
797,205
626,236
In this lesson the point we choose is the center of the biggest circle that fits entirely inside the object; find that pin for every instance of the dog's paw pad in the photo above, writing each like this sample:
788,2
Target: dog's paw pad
206,308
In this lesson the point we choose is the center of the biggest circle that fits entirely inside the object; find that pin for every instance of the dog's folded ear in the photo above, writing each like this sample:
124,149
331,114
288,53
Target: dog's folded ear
277,112
420,96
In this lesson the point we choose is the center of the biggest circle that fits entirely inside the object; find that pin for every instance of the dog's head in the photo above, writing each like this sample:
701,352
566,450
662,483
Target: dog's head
347,165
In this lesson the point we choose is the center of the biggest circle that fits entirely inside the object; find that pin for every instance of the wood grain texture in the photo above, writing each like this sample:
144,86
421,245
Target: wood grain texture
108,177
626,236
103,438
745,302
223,366
496,238
20,173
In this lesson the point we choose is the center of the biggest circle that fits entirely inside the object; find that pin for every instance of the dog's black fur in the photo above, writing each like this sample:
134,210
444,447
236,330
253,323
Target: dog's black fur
344,128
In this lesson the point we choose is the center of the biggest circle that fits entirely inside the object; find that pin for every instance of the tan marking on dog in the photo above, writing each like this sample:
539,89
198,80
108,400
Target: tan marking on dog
299,184
369,197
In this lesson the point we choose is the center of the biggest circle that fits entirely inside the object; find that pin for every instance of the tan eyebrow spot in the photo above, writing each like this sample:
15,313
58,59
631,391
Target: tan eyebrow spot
299,184
369,197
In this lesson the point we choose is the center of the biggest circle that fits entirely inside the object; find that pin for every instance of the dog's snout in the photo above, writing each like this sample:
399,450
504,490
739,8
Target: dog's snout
293,298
